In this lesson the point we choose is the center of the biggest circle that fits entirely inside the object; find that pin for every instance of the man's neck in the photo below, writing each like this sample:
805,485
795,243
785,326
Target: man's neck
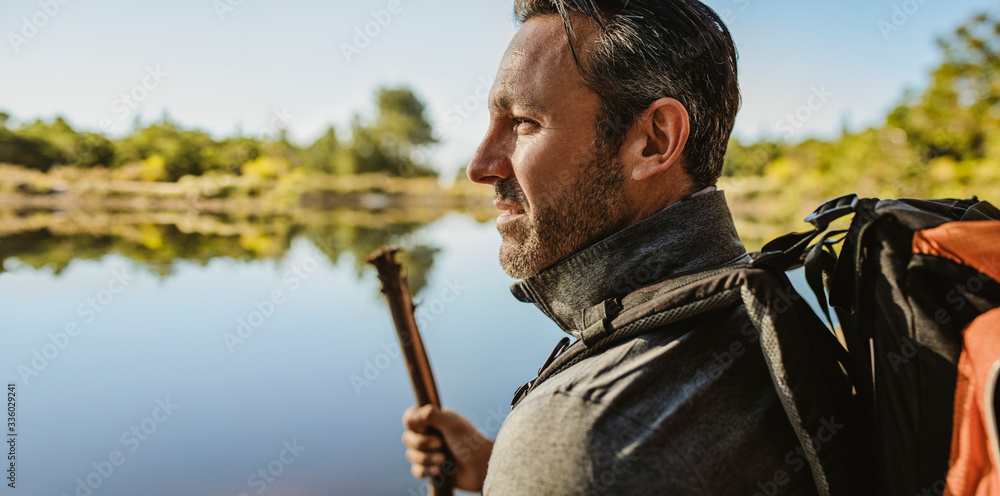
696,232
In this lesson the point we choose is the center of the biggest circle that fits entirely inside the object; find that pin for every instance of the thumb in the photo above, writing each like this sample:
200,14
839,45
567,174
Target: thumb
449,423
445,421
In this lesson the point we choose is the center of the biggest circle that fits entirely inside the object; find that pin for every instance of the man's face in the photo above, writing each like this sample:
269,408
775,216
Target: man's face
559,194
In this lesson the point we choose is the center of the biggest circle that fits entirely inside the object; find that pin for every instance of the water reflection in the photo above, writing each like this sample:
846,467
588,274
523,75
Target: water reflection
159,241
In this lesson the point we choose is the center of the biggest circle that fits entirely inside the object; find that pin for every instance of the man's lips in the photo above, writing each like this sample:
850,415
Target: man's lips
511,213
508,208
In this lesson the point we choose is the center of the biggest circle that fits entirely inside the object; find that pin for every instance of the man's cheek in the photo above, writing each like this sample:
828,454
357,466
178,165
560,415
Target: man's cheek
581,157
553,186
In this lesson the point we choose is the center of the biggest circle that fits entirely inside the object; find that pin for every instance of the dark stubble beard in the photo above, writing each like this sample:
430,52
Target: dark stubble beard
582,208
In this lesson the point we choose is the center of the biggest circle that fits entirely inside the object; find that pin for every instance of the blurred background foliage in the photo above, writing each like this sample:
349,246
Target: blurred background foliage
164,194
941,142
163,151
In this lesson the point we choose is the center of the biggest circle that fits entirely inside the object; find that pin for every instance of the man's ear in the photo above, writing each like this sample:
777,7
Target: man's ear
660,135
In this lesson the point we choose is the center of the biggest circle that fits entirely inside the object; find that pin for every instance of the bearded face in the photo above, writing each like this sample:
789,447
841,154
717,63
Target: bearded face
557,189
576,211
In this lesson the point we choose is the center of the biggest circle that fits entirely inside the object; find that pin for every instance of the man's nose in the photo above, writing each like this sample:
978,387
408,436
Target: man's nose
491,161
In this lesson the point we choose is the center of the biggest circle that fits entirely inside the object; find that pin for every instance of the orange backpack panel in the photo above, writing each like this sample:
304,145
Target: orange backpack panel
974,448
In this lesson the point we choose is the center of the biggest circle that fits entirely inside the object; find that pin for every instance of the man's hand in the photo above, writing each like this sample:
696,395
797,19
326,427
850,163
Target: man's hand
470,449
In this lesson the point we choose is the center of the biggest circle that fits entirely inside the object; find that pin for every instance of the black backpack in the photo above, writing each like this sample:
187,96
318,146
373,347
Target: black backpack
894,425
897,312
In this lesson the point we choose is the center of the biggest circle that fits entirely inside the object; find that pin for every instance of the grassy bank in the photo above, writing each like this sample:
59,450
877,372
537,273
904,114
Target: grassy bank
101,188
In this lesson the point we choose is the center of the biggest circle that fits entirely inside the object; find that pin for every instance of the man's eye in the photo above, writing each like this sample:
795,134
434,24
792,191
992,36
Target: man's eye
523,124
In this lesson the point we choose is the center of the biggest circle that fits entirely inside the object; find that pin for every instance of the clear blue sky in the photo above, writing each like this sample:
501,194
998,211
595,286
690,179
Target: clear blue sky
231,64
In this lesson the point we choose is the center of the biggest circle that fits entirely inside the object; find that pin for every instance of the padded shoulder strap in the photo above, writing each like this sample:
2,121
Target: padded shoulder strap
655,306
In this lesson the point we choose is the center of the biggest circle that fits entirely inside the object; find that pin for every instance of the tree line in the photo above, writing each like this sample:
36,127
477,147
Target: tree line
389,143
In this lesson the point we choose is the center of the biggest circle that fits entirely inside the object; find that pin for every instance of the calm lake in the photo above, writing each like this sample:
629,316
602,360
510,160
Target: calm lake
224,356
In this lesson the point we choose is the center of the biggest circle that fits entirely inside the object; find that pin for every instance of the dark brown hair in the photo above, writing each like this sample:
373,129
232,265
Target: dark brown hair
650,49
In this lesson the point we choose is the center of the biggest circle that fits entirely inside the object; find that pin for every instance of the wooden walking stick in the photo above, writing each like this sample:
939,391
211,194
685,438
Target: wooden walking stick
397,295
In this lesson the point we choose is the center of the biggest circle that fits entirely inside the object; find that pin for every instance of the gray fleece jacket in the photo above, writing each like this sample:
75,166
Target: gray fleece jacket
685,410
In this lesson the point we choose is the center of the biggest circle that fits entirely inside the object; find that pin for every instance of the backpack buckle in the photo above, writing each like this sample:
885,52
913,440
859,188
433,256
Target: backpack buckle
597,320
833,210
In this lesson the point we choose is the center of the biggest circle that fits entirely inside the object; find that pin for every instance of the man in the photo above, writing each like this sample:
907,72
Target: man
608,127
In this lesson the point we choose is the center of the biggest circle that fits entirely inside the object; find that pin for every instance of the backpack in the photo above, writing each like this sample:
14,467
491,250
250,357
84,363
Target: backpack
910,278
906,284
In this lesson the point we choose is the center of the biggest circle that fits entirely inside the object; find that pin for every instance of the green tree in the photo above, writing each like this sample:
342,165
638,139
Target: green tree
182,152
29,152
283,149
959,113
391,143
367,153
233,152
401,120
70,147
325,154
750,160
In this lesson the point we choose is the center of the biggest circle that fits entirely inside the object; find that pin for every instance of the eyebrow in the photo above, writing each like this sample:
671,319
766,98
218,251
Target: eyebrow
503,102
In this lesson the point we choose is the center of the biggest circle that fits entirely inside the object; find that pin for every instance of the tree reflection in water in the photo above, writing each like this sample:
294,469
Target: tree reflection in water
158,241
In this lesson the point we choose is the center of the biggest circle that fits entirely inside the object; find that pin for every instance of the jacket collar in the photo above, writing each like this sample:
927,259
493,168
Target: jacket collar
697,232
